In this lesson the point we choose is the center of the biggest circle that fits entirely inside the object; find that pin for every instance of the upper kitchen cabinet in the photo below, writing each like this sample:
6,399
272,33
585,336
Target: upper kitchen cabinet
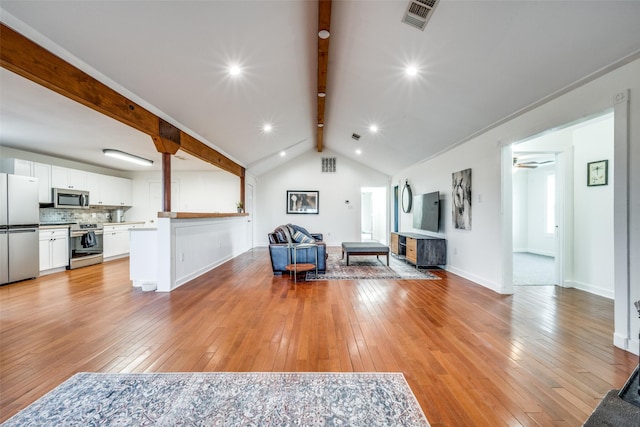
68,178
33,169
105,190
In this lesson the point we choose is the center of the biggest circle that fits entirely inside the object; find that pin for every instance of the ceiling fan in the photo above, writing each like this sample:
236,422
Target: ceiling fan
532,164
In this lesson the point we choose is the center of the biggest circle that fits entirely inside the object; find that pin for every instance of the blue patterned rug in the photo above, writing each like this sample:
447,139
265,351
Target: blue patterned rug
226,398
369,267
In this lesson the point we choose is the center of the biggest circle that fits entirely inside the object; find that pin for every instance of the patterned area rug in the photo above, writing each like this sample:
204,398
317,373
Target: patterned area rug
229,399
369,267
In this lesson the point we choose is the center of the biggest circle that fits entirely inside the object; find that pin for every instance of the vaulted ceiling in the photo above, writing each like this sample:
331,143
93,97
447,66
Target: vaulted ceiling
477,63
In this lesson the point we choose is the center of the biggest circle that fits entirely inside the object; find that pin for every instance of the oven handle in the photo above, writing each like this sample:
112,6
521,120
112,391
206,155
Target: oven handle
82,233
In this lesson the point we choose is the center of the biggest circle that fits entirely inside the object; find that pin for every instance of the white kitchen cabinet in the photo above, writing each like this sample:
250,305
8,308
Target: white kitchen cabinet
17,167
126,186
68,178
33,169
116,239
105,190
43,173
93,187
54,248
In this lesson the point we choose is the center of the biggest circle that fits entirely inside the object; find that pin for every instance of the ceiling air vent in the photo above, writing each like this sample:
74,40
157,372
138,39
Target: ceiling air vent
355,136
328,165
419,12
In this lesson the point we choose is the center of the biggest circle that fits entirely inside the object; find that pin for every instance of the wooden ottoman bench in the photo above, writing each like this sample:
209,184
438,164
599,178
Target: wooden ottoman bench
364,248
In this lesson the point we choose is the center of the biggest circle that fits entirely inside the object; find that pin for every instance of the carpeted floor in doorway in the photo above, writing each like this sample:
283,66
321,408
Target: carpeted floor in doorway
227,398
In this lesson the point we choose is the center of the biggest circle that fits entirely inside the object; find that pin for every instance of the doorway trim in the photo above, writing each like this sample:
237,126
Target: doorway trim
622,337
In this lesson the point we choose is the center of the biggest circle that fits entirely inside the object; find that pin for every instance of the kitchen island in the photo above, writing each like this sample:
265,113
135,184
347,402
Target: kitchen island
184,246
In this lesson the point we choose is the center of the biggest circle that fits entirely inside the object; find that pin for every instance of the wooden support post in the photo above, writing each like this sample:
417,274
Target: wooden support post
242,195
166,182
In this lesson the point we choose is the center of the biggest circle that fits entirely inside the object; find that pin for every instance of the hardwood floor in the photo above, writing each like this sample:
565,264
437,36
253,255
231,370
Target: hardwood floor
542,356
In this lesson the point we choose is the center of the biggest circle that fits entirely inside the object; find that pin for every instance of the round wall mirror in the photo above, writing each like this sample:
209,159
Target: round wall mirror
407,197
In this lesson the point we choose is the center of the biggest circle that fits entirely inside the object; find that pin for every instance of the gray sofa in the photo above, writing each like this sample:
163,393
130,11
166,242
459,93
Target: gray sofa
280,250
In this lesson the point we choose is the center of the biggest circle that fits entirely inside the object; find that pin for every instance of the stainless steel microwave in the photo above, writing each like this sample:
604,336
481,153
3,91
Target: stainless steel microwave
70,199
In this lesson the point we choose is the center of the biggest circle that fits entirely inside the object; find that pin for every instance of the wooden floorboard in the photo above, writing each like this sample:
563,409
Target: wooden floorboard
543,356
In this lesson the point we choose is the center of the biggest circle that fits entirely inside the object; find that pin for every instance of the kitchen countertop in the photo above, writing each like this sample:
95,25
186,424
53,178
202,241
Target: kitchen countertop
123,223
191,215
57,225
49,226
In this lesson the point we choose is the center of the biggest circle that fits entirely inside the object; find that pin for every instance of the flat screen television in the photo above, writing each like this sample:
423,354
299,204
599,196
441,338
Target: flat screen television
426,211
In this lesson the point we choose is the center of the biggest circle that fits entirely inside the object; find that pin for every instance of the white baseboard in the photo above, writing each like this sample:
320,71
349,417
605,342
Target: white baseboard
630,345
634,346
607,293
478,280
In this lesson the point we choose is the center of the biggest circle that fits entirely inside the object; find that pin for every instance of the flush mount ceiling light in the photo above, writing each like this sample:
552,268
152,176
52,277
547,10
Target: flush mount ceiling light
321,94
127,157
320,125
323,34
267,128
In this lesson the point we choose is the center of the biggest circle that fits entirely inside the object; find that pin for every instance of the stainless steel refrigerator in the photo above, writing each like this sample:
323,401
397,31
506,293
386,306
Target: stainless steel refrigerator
19,222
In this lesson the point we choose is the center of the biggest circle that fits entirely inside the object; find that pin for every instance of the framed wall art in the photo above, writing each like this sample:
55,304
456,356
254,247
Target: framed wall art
303,202
598,173
461,199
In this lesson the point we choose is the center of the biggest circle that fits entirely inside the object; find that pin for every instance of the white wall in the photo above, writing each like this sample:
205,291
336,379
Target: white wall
337,220
593,207
476,254
192,191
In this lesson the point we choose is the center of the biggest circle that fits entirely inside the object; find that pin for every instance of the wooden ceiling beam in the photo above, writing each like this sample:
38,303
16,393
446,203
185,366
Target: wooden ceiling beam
324,23
194,147
31,61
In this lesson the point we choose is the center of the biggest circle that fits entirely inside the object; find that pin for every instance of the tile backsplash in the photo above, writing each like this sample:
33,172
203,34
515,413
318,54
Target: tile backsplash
93,214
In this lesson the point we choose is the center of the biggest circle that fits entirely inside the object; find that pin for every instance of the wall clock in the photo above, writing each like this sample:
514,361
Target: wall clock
598,173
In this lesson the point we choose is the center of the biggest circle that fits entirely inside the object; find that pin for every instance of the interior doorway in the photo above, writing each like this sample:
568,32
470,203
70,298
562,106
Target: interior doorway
373,214
535,220
556,216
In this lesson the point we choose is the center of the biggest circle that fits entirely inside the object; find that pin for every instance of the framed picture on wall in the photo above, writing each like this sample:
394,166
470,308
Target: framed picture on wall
598,173
303,202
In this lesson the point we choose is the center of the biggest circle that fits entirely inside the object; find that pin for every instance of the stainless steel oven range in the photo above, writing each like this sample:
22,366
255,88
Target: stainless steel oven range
85,245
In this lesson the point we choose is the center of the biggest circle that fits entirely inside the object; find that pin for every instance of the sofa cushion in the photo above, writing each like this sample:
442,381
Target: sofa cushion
300,229
283,234
300,237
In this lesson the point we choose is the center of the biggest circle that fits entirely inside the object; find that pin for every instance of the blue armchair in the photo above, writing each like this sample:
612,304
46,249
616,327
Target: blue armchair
281,251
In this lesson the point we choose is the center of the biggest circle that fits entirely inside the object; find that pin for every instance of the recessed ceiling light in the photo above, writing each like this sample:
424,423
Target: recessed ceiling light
411,70
320,125
323,34
267,128
283,153
234,70
373,128
358,151
321,94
